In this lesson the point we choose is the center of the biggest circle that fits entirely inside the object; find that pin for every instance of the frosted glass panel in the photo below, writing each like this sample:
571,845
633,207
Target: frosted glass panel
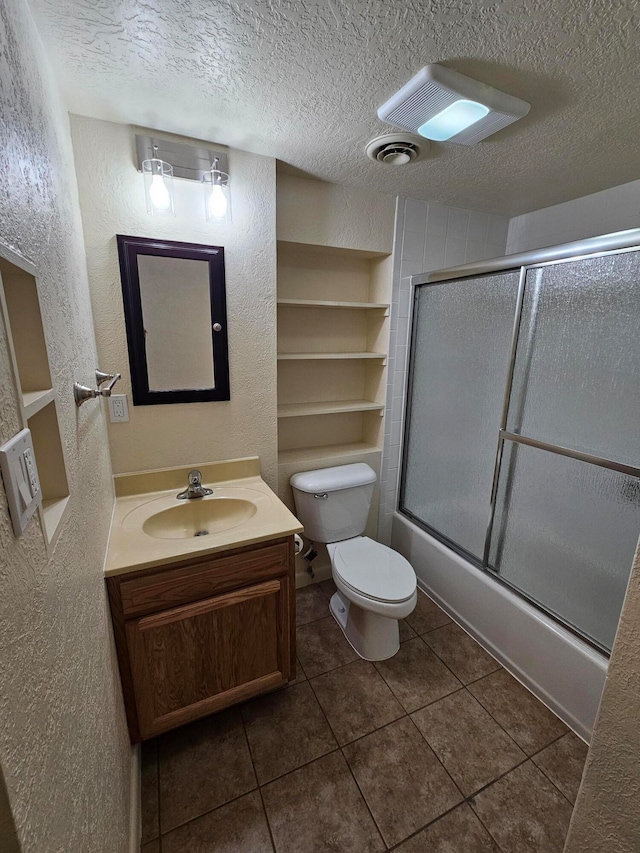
577,371
565,534
460,362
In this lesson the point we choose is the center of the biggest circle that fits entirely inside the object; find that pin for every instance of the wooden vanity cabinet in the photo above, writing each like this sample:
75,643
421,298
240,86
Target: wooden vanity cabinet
195,637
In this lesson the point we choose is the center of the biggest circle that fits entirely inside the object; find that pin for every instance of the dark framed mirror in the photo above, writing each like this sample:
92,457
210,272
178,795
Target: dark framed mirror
176,318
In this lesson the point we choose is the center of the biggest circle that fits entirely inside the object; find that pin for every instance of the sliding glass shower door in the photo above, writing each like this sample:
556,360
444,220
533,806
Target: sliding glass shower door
522,442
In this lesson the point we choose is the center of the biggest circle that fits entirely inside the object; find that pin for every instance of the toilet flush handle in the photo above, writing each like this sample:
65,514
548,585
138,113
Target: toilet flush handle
322,497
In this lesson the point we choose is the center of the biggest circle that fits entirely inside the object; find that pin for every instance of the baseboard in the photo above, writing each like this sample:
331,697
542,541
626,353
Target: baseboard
135,806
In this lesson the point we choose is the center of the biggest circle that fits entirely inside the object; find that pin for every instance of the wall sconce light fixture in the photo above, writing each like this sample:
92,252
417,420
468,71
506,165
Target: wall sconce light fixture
181,160
217,194
158,185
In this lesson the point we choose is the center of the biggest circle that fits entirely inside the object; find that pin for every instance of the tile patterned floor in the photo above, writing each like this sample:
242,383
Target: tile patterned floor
438,749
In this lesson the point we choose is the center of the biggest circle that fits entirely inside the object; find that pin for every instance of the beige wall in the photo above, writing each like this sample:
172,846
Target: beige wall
112,202
64,752
325,214
607,814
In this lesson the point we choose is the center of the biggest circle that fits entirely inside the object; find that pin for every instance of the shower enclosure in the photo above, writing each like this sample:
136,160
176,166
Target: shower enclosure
522,433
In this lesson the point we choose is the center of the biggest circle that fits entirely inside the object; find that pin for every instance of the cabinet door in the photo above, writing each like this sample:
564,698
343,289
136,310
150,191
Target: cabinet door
191,660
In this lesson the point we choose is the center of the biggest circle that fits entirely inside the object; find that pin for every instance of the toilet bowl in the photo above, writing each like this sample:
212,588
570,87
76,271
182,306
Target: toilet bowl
376,586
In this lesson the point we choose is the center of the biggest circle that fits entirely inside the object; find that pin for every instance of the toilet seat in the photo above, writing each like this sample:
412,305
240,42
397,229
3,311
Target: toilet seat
372,570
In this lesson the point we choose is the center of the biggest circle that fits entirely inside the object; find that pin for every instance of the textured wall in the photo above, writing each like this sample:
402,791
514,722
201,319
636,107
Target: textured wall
330,215
611,210
64,750
606,814
112,202
427,237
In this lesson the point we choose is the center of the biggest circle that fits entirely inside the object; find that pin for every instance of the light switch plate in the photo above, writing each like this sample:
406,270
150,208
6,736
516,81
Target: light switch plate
20,476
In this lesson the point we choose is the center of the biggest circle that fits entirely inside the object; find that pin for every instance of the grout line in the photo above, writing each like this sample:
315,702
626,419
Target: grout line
344,758
364,799
267,821
497,722
549,779
543,771
437,757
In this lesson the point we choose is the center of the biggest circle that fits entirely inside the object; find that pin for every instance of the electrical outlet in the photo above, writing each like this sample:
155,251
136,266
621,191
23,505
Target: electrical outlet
118,408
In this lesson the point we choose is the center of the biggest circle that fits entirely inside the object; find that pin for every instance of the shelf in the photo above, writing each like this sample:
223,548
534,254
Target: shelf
327,303
298,410
33,401
52,511
328,356
330,451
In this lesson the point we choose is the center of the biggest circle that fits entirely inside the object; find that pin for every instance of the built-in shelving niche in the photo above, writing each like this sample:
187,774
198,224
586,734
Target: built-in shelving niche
23,322
333,332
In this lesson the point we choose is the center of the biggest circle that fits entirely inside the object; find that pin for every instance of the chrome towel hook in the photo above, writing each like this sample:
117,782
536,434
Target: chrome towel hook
81,393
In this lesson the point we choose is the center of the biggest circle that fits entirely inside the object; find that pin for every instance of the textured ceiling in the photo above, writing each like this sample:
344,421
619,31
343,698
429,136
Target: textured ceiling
301,81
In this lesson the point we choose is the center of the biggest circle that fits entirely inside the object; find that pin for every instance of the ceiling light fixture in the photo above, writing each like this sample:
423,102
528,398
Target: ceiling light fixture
217,194
158,185
446,106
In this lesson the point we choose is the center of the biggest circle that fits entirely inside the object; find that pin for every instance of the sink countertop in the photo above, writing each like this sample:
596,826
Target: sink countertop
142,495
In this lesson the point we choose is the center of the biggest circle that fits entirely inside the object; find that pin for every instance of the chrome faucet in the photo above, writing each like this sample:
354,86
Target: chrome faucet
195,489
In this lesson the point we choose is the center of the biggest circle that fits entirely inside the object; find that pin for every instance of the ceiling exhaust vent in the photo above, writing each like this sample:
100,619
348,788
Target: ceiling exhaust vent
397,149
445,106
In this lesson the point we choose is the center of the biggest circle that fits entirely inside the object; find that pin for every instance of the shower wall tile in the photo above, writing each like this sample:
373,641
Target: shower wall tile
437,220
427,237
416,215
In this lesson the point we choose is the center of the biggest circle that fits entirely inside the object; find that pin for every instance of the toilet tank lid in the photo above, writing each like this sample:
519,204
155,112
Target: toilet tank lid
332,479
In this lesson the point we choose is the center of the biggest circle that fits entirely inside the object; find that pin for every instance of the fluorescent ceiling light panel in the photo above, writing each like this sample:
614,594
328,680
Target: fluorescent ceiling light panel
446,106
453,119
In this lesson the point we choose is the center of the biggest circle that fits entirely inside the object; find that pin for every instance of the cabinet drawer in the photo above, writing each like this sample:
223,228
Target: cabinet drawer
171,587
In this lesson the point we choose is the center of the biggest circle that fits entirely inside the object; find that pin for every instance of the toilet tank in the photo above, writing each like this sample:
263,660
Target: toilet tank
333,503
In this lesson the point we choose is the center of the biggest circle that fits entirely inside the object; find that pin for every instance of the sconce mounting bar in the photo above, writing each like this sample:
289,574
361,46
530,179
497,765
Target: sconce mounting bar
188,161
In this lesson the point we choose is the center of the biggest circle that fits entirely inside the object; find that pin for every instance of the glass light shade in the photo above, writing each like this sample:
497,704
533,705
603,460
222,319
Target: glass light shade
217,196
453,120
158,187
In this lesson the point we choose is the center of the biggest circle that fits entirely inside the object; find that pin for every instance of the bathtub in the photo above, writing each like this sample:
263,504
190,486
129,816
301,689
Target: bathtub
561,670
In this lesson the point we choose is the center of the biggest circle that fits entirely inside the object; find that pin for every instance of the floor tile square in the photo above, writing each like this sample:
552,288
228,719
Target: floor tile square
563,763
464,657
238,827
356,700
300,674
460,831
406,631
311,604
427,615
328,587
530,723
319,809
149,797
202,766
467,740
403,782
416,675
322,647
285,730
524,812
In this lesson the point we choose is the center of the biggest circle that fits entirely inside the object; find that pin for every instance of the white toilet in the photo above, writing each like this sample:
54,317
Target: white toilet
376,585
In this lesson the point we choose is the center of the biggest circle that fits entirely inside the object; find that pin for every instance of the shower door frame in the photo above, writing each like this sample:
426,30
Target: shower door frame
619,242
